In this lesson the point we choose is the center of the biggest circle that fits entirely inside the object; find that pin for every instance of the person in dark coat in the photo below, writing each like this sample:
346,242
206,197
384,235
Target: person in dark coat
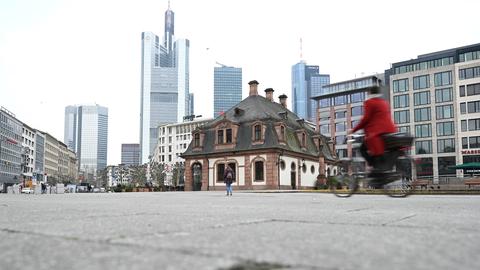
228,176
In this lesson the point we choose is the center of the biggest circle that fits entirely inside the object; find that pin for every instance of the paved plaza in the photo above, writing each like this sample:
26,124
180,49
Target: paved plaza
206,230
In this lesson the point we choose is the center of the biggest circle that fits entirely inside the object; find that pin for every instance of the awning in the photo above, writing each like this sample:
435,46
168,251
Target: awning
471,165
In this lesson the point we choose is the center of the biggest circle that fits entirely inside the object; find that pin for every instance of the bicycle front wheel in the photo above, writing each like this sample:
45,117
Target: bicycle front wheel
344,186
398,187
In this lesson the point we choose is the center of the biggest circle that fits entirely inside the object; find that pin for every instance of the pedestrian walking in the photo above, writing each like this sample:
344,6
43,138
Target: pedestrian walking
228,177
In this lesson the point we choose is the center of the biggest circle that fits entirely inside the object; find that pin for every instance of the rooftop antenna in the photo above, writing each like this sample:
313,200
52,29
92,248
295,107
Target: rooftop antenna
301,50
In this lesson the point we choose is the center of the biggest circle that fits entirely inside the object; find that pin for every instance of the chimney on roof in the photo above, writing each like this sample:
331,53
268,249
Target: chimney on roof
253,88
283,100
269,94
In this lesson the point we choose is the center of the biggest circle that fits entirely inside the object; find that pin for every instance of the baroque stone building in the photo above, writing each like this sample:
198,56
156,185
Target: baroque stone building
267,146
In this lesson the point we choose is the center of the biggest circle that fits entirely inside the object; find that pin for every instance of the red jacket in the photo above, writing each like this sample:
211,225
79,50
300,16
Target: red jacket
376,121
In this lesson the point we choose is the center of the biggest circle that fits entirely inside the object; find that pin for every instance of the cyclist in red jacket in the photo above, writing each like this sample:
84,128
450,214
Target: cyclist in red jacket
376,121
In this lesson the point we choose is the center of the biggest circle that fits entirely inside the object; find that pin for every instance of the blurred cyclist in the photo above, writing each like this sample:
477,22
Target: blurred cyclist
376,121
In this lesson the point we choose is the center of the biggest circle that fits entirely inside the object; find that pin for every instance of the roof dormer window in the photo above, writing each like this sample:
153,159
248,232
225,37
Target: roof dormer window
257,133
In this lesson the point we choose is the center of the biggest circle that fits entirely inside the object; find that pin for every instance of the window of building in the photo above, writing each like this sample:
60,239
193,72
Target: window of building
423,147
443,78
340,100
400,85
400,101
445,129
404,129
421,82
422,114
444,112
340,114
423,131
304,140
357,97
473,89
257,132
169,148
469,56
424,167
421,98
220,136
325,102
401,117
474,142
358,110
228,135
259,171
474,124
340,126
282,165
446,146
341,153
445,165
340,139
468,73
463,125
169,158
464,142
325,129
473,107
220,172
443,95
312,169
462,90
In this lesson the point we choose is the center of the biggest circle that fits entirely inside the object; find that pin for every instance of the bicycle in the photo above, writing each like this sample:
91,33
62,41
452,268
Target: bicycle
394,180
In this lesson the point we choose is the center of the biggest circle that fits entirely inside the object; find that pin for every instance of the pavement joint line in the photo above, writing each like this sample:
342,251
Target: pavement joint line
358,209
398,220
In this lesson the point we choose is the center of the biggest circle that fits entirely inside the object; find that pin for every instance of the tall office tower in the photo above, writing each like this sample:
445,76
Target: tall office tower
307,82
227,88
70,127
90,126
130,154
191,104
165,83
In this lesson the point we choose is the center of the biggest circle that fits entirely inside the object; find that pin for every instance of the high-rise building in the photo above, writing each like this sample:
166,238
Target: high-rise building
436,97
191,105
90,130
165,83
307,82
130,154
227,88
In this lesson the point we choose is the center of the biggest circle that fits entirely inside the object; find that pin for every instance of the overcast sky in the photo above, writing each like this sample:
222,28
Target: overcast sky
55,53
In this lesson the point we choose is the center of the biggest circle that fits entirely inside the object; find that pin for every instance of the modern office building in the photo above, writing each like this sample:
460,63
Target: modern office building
39,168
227,88
173,140
307,82
10,149
340,108
90,130
28,153
436,97
130,154
165,96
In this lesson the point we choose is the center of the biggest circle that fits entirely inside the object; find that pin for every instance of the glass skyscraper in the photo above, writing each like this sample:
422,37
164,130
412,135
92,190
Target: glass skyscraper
307,82
165,84
227,88
89,126
130,154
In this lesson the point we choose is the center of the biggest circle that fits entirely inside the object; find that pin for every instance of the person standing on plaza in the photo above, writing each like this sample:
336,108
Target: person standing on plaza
228,177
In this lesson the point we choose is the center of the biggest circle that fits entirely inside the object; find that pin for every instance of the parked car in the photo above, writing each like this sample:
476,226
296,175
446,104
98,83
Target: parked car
27,190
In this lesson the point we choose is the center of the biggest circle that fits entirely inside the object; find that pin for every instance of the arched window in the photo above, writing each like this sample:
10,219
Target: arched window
259,171
257,133
282,132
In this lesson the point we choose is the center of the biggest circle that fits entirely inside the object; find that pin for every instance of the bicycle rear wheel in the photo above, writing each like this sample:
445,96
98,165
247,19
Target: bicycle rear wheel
344,186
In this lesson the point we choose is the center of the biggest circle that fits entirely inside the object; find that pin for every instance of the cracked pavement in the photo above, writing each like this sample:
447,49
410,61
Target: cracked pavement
207,230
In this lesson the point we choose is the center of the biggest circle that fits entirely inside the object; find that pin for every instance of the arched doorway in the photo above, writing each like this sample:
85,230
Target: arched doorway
293,176
197,176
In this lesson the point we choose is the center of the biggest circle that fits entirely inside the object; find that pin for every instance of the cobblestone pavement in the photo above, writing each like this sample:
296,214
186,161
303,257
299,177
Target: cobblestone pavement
207,230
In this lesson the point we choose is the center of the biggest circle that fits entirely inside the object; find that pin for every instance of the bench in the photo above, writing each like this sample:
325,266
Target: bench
420,183
472,182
